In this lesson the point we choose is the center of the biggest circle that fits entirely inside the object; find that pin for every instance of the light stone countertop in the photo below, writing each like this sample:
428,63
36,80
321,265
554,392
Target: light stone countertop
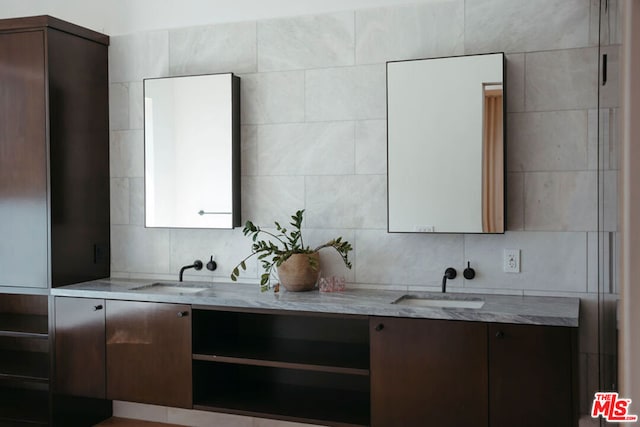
550,311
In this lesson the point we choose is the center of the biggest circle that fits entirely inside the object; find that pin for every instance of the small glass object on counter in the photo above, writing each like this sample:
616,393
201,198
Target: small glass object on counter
332,284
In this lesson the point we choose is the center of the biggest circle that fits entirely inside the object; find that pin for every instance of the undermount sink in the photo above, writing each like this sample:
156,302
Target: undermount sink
170,288
440,301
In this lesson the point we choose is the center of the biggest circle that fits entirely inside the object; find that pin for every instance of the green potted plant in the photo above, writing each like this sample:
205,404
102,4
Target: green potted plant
297,265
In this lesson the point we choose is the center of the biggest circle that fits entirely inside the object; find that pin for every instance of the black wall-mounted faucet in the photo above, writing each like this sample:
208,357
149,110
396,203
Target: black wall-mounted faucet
450,273
469,273
212,265
197,265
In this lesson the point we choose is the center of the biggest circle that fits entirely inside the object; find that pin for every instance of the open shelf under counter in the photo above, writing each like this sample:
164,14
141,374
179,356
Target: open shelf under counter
303,396
336,357
335,344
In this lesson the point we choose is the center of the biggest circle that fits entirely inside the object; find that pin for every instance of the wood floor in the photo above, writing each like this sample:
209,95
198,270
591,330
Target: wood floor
125,422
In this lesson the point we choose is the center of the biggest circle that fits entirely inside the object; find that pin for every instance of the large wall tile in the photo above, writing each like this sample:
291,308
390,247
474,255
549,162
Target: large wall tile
594,25
141,250
561,80
594,247
547,141
613,138
136,111
609,197
303,42
228,246
405,259
217,48
603,139
325,148
266,199
593,147
347,201
371,147
136,201
605,22
118,106
524,25
548,261
560,201
272,97
249,148
515,201
515,82
615,19
126,154
138,56
119,200
409,32
351,93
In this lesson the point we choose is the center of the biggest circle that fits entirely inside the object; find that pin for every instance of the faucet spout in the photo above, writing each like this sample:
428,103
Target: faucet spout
197,265
450,273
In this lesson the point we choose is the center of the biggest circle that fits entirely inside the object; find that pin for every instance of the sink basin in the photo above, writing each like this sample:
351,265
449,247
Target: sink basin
440,301
170,288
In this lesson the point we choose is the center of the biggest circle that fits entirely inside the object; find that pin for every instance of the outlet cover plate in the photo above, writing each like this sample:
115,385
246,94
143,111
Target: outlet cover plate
511,261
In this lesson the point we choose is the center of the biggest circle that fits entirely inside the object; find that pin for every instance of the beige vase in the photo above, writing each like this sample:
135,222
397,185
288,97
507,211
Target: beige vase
296,273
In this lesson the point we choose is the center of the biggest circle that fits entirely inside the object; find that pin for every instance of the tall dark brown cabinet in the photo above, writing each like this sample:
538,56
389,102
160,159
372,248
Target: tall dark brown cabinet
54,193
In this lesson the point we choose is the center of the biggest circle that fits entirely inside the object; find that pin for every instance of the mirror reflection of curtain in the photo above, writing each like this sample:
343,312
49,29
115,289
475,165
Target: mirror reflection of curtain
492,160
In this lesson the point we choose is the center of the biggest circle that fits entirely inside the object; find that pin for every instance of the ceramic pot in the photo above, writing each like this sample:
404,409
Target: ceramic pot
296,273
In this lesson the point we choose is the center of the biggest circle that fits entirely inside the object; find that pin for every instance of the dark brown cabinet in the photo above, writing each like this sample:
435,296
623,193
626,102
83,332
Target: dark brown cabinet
54,163
23,163
80,347
428,372
452,373
124,350
328,369
149,352
79,380
532,376
54,182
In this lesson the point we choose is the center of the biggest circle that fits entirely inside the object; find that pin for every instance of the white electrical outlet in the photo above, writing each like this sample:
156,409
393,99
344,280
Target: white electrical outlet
511,261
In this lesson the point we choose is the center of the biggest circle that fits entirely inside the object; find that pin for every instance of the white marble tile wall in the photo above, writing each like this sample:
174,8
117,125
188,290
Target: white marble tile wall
314,137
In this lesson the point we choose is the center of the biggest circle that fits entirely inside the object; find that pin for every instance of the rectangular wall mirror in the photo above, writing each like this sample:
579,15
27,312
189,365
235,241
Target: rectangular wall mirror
445,144
192,151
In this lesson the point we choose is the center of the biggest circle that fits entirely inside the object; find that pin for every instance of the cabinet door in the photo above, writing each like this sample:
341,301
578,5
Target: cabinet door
428,372
79,347
149,353
23,162
530,376
79,158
